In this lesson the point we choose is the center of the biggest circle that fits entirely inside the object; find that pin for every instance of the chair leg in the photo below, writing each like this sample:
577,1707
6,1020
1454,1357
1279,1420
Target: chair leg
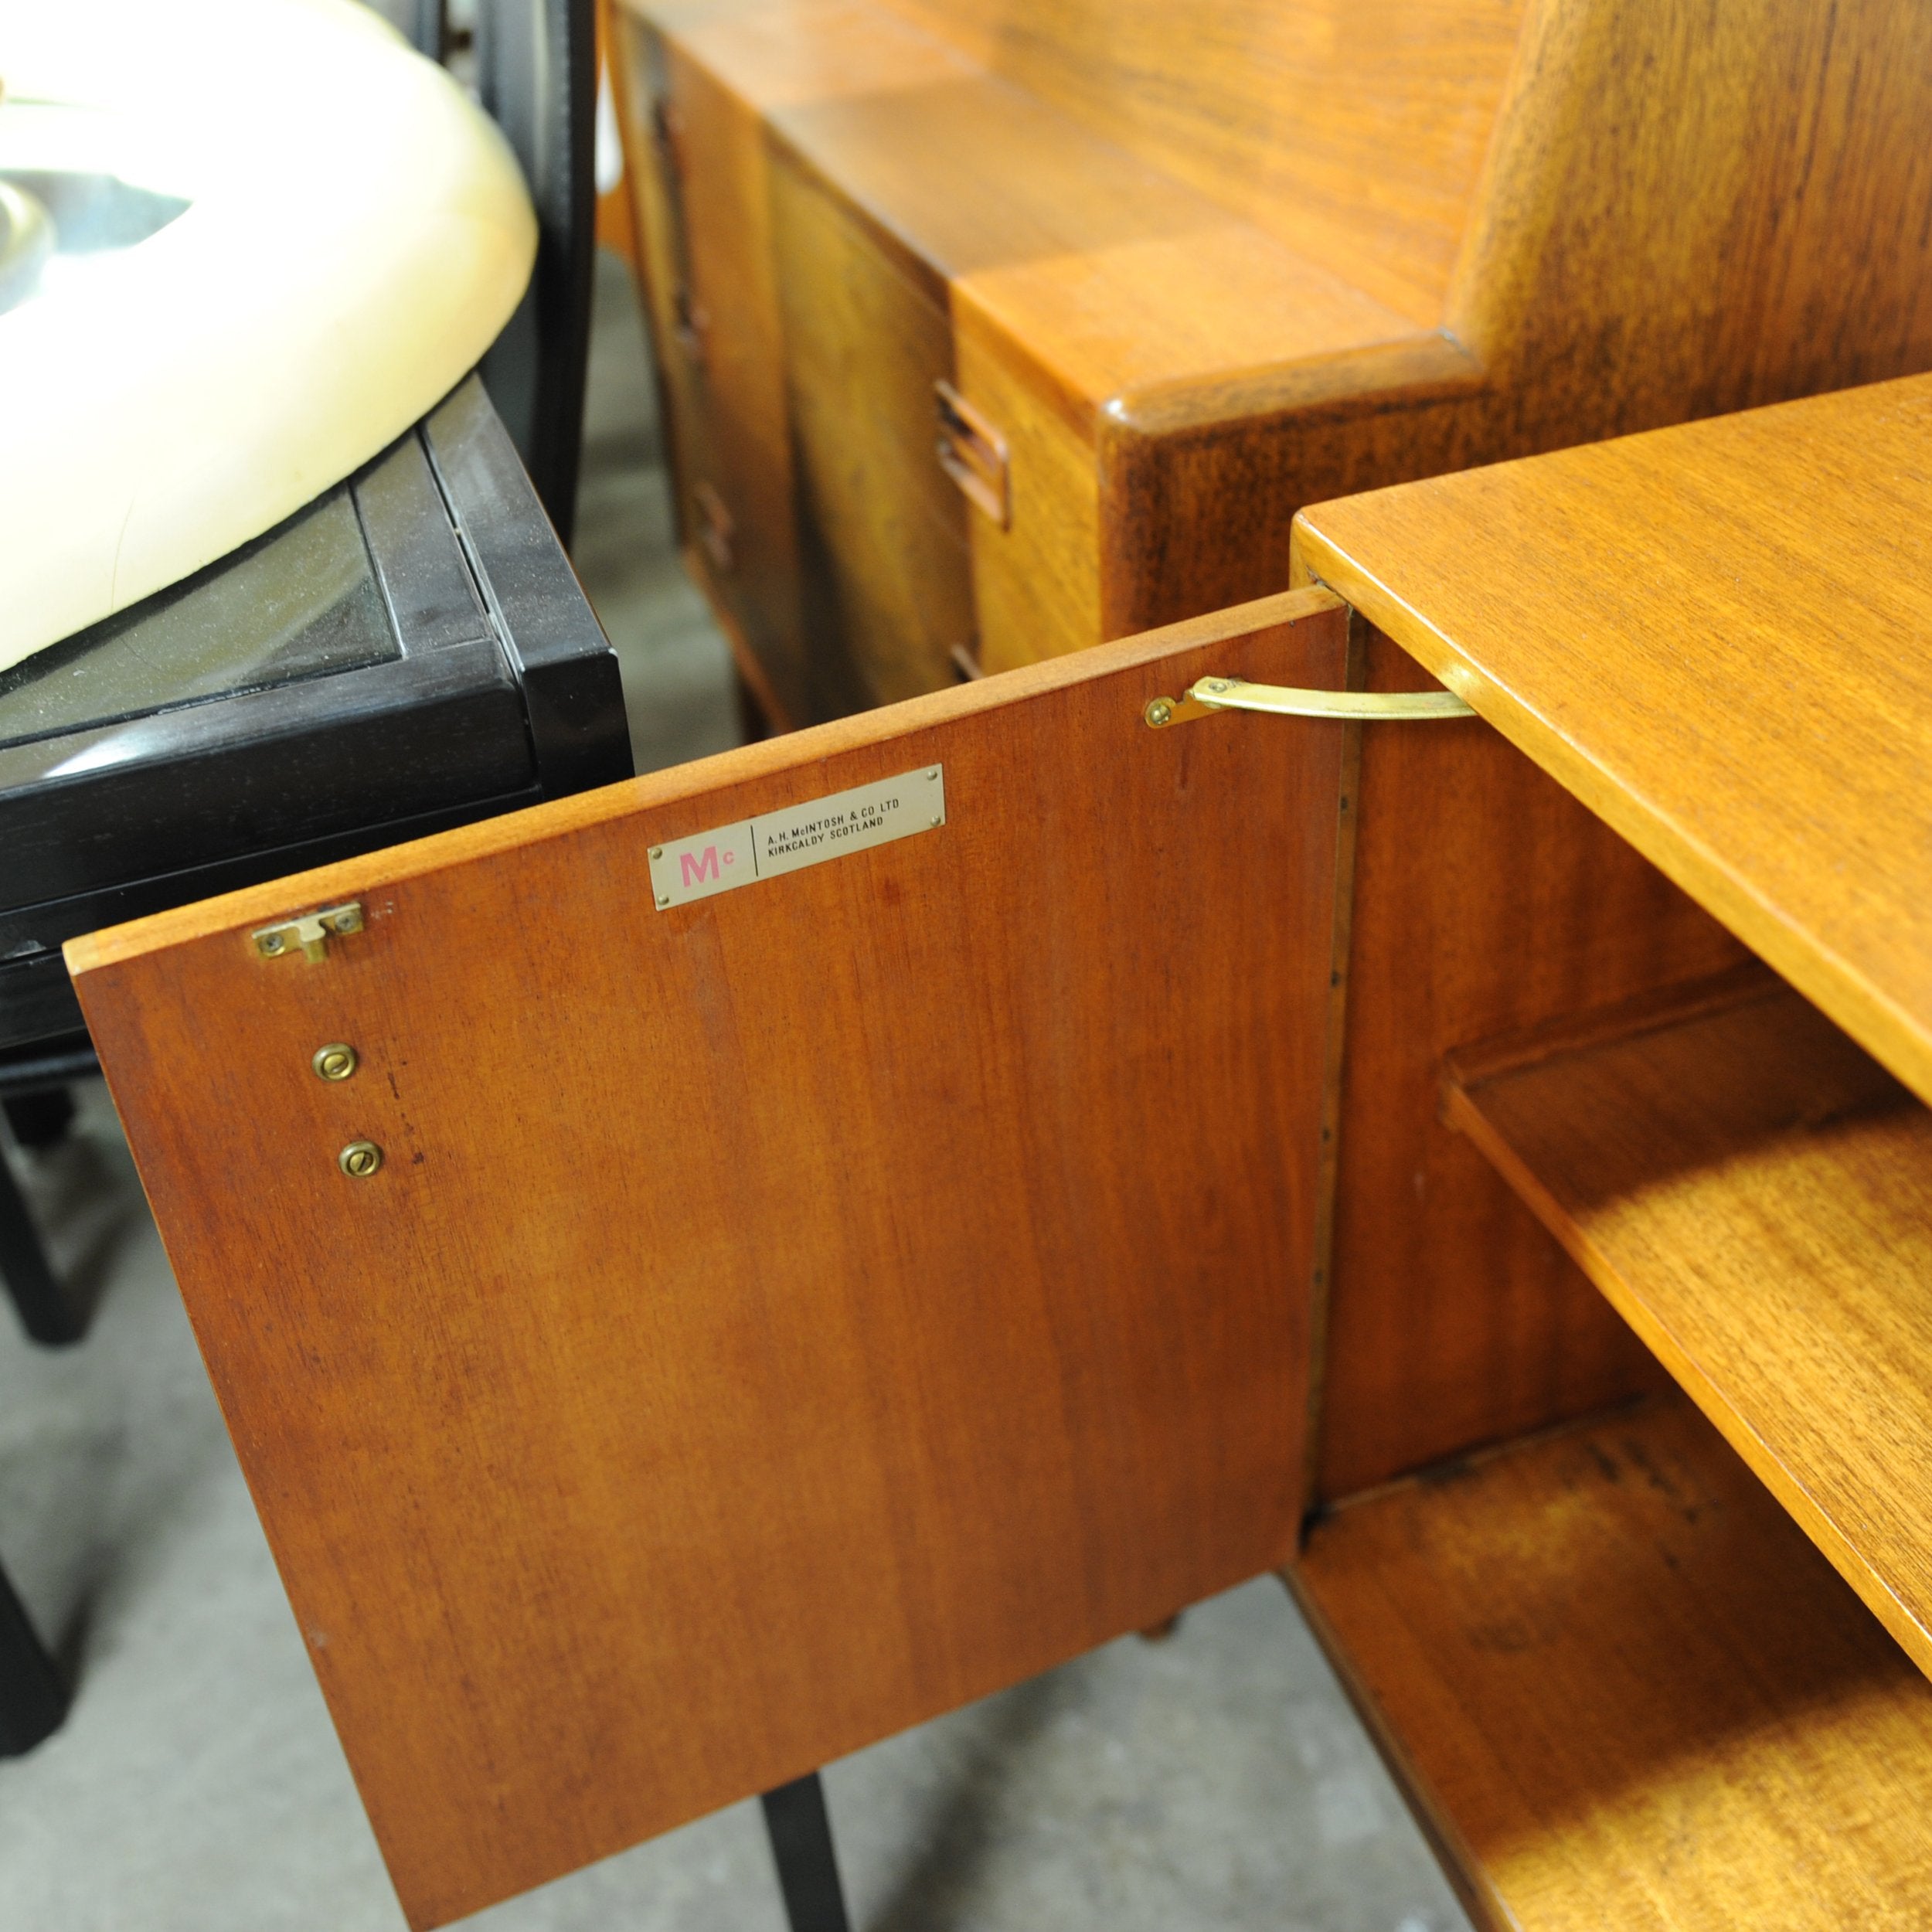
800,1829
40,1119
46,1314
33,1700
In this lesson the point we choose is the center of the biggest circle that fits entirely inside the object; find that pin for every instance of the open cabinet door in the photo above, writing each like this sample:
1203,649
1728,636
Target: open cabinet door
841,1242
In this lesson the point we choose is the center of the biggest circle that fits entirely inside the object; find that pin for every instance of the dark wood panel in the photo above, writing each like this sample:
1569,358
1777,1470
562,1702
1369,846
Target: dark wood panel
778,1319
1487,899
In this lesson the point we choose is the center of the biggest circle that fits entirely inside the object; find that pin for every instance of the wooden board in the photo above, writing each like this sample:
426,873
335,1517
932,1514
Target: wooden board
1719,637
1628,1693
1486,900
779,1319
1754,1194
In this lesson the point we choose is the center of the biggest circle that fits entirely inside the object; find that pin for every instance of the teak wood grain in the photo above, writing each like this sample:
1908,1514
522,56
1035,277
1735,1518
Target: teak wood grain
1719,638
1373,170
1485,900
1627,1693
1206,265
778,1319
1754,1194
886,574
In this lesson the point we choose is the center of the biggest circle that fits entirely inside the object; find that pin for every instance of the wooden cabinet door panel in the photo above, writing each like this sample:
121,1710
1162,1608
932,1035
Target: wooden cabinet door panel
784,1316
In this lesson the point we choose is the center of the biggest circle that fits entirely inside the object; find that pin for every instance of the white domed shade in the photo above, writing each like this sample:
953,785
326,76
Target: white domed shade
277,238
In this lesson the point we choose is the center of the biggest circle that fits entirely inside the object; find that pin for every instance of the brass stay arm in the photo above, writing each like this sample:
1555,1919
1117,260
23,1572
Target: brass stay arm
1207,696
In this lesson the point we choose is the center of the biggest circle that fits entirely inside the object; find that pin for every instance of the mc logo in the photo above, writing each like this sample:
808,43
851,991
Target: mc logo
697,867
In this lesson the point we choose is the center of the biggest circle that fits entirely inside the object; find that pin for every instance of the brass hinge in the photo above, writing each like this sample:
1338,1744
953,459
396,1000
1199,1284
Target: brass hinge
1207,696
310,931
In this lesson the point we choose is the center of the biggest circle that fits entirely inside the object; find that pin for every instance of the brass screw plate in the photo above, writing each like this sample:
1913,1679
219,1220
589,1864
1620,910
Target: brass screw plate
359,1159
335,1062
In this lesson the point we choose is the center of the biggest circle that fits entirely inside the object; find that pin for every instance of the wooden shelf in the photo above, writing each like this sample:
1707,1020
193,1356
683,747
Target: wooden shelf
1626,1693
1754,1195
1716,637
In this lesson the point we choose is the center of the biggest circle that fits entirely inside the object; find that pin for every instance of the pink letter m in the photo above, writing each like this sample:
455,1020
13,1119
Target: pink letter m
702,867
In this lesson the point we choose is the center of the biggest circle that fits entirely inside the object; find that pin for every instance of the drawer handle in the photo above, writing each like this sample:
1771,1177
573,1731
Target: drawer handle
973,454
1207,696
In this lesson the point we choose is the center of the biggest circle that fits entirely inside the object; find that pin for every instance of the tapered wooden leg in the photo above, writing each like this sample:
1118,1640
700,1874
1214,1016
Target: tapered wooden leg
33,1699
801,1833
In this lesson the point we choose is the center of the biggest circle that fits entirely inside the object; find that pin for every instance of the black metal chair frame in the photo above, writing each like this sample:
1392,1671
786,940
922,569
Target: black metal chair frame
33,1693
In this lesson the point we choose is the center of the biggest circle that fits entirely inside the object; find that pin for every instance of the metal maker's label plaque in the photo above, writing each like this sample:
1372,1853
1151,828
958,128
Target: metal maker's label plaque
800,835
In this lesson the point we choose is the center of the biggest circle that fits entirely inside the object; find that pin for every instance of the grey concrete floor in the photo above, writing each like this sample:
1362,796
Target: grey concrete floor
1217,1781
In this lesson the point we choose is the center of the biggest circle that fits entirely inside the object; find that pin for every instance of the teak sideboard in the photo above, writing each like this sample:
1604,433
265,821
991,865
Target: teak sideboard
988,331
811,1236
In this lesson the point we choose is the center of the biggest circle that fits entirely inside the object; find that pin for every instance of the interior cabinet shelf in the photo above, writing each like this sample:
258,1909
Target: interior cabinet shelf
1625,1691
1754,1193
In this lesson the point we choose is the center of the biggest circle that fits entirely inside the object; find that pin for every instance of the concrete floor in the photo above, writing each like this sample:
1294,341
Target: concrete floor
1217,1780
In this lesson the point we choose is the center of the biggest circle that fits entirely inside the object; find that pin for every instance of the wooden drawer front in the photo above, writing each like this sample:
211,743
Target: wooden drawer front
698,156
882,527
1036,589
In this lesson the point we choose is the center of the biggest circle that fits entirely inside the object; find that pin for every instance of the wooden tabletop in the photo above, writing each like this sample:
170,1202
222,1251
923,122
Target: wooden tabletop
1720,638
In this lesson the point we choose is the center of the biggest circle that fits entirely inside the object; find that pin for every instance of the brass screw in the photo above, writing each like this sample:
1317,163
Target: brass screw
359,1159
335,1062
657,852
1159,713
272,943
